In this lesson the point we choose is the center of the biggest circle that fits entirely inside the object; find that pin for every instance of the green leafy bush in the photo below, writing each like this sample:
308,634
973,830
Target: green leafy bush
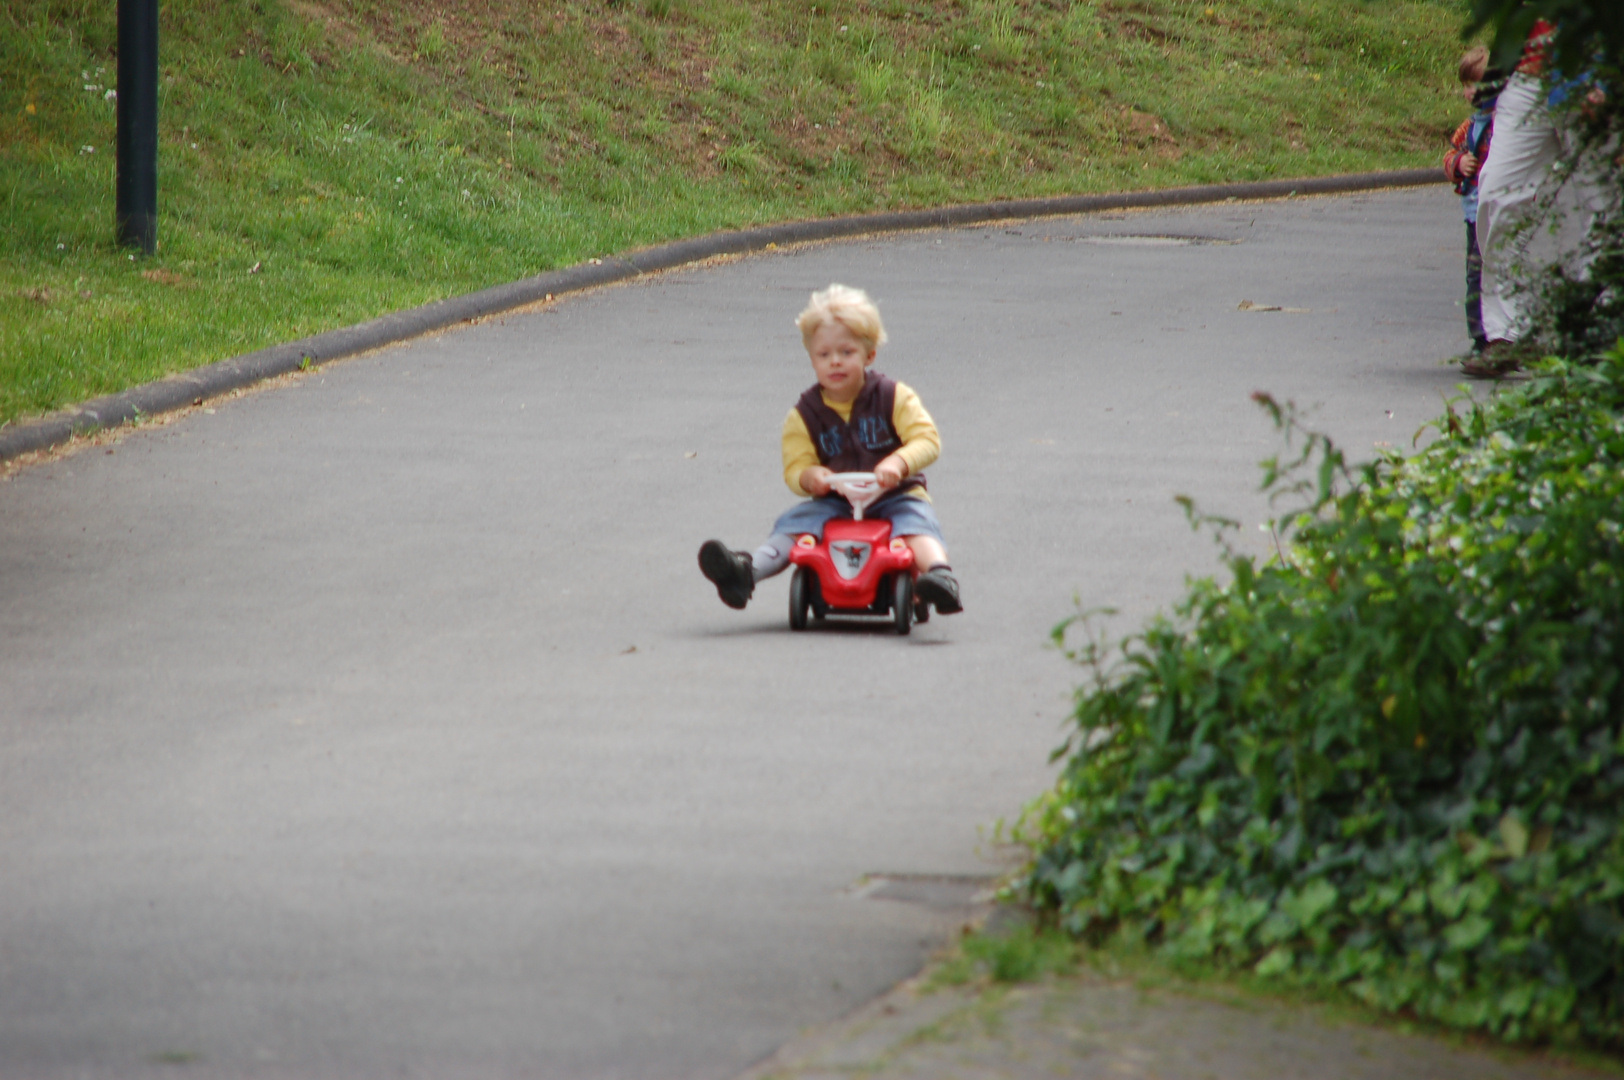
1579,313
1390,759
1590,28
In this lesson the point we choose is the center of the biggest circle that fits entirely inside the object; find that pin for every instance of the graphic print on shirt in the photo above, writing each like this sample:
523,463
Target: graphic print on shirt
874,433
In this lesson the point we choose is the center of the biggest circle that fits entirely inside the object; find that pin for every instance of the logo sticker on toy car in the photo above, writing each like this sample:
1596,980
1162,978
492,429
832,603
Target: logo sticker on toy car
850,556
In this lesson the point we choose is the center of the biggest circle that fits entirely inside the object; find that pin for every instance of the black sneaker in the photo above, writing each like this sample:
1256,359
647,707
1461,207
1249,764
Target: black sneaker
940,589
731,571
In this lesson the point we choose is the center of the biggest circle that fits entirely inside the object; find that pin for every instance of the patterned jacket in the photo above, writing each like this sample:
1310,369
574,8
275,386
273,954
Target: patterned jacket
1461,143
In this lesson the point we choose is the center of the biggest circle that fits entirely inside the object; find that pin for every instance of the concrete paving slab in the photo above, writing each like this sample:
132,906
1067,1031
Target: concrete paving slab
383,725
1092,1026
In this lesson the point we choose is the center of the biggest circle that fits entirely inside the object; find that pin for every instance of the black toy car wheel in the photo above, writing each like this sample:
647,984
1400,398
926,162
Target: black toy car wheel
902,607
800,597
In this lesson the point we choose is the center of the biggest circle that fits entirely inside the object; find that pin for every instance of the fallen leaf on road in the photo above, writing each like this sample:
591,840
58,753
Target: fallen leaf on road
1247,305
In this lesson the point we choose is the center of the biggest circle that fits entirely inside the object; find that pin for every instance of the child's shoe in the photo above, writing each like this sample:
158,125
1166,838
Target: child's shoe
940,589
731,571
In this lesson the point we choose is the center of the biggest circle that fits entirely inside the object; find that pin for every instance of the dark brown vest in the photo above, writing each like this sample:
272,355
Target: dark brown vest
862,442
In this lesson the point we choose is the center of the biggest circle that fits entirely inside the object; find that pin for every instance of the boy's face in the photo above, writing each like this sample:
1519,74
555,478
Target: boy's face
1468,86
839,359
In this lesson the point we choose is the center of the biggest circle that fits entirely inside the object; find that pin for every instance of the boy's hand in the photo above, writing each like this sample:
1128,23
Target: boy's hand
815,481
1467,165
1593,102
890,472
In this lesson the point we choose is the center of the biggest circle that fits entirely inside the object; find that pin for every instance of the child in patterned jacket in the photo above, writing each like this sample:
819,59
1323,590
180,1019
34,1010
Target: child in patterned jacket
1462,163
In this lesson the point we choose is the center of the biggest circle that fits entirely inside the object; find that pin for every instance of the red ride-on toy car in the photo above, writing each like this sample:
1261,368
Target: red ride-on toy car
858,568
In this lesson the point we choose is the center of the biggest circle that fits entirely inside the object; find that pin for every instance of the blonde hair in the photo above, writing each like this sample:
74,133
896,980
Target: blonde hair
1474,64
850,308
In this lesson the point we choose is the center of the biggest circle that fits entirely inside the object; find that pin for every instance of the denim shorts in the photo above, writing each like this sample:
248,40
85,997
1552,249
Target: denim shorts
908,515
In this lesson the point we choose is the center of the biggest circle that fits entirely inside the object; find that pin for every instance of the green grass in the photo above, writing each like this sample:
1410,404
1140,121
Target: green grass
370,156
1019,954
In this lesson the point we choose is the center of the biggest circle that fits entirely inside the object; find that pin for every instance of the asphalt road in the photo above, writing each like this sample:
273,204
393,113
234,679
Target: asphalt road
382,724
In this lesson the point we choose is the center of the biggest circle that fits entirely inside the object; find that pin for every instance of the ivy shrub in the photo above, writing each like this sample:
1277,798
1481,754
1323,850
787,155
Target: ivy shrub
1390,758
1579,314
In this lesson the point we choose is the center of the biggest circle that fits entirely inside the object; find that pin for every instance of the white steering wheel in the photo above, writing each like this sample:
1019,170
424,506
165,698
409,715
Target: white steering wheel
859,488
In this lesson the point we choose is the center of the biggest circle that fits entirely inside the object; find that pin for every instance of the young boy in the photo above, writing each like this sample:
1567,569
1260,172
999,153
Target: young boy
852,420
1462,164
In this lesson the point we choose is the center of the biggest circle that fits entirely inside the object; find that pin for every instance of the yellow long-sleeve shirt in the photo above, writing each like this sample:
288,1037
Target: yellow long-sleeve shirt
921,444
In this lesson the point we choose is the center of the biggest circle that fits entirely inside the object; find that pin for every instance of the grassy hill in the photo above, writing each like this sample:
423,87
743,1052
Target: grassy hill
322,163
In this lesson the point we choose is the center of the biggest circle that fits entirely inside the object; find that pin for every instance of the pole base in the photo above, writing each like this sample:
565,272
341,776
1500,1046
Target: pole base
139,231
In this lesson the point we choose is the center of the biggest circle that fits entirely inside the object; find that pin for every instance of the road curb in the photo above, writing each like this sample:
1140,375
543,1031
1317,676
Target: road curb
224,376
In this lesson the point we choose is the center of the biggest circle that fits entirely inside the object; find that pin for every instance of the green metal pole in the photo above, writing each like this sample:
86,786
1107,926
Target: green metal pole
137,184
